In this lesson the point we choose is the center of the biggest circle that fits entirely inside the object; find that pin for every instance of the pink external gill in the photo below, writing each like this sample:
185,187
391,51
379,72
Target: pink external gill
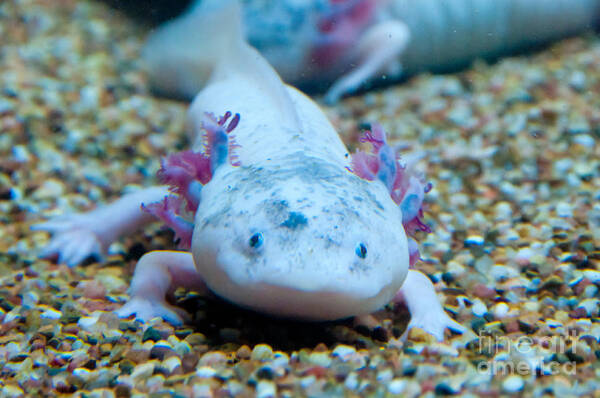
182,171
407,189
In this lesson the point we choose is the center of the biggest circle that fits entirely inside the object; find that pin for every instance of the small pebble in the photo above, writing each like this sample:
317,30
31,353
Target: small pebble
396,386
577,80
266,389
320,359
21,154
590,305
479,308
344,352
262,352
586,141
205,372
564,210
500,310
474,240
143,371
513,384
352,381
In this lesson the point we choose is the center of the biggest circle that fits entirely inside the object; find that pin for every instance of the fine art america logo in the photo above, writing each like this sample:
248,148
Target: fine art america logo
544,355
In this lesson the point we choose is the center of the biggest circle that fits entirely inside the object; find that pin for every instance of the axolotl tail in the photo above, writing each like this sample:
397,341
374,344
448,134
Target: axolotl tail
208,29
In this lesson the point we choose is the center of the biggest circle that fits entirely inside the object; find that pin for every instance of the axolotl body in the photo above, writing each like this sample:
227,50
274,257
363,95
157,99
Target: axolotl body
278,217
341,45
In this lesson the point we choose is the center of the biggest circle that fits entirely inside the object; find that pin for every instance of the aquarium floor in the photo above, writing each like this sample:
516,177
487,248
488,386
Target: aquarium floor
512,152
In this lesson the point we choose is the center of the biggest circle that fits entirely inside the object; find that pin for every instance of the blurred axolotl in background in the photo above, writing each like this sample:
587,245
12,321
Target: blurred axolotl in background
342,45
280,218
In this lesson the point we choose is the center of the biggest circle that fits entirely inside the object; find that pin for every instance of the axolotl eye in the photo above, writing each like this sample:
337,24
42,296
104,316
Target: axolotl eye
255,240
361,250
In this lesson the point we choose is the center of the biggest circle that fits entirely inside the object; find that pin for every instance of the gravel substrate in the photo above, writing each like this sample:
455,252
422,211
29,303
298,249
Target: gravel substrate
511,150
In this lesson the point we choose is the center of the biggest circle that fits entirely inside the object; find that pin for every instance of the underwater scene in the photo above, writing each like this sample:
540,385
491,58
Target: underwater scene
321,198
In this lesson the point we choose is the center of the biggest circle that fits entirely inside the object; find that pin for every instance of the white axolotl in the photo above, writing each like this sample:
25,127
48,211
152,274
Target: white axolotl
343,44
290,225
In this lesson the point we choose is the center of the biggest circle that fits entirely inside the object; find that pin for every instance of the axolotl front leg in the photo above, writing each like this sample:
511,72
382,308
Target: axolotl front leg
78,236
157,274
426,312
81,235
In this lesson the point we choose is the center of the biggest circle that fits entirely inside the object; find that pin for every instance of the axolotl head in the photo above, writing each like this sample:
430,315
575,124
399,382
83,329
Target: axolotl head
300,238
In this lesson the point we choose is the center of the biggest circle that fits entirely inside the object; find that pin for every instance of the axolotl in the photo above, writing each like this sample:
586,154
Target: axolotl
342,45
275,214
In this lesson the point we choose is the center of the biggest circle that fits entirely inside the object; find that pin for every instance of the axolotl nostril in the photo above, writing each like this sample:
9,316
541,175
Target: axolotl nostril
275,213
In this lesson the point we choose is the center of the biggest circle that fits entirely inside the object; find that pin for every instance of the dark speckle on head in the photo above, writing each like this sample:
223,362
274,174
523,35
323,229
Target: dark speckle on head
379,205
295,220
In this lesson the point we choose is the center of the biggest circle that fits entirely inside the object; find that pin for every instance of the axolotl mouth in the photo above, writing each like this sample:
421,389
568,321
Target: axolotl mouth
307,239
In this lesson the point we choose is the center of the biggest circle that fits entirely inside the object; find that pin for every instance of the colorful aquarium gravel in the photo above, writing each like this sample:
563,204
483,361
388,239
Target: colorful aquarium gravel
511,150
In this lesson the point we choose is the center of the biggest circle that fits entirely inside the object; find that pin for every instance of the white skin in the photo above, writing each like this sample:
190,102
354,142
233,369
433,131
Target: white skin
282,232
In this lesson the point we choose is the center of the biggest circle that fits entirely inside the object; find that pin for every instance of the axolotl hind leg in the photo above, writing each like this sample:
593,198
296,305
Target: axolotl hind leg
157,274
426,312
377,51
81,235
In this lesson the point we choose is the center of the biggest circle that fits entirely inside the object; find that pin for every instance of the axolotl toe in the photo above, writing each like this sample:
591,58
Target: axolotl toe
270,209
